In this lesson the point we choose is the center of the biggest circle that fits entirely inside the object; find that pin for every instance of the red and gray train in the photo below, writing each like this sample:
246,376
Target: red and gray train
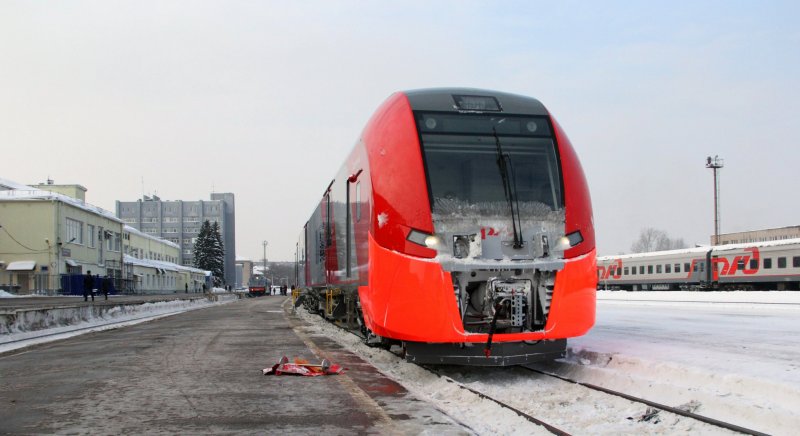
772,265
460,228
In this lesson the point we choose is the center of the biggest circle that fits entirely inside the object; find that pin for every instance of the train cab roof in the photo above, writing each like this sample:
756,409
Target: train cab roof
473,100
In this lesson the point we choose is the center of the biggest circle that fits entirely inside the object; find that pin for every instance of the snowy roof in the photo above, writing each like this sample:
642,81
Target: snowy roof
138,232
30,194
703,250
150,263
13,185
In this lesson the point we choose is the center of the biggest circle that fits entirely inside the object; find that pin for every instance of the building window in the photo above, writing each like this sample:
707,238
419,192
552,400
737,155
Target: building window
781,262
74,231
90,235
191,219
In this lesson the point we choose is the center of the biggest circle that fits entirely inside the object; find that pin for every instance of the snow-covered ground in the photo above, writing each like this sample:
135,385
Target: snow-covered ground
84,319
733,356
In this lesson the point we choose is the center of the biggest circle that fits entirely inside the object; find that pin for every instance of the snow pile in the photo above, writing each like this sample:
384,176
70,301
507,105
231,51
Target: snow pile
6,294
60,323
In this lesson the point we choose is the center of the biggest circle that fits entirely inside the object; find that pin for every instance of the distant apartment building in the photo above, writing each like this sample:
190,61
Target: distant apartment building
179,221
759,235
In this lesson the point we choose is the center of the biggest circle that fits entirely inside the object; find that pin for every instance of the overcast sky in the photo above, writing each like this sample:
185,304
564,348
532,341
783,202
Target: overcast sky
265,99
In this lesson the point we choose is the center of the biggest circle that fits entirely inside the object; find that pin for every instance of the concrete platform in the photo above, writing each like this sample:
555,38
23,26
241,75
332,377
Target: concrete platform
200,373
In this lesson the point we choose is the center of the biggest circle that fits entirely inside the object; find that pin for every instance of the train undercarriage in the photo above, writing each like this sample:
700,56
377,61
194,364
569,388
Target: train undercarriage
490,302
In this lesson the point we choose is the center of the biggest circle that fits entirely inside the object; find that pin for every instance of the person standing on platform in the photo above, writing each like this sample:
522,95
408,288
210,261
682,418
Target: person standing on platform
105,285
88,283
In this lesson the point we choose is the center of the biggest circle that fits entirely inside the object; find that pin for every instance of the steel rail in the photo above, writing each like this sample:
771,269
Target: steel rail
707,420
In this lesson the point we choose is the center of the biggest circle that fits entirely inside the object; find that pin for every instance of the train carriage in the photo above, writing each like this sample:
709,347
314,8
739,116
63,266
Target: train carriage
257,285
772,265
458,227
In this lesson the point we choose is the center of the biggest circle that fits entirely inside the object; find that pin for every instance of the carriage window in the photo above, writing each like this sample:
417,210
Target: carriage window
641,269
633,270
649,269
796,262
753,263
686,267
767,263
677,267
667,268
702,266
781,262
625,272
658,269
740,264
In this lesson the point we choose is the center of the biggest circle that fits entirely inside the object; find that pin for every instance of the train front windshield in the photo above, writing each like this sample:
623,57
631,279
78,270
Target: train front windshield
461,154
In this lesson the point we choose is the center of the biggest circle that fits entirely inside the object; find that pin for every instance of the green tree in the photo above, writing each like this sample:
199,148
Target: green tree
209,253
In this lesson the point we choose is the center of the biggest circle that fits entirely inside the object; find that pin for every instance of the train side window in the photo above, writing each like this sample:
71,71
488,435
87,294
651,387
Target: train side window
641,269
767,263
781,262
753,263
625,271
649,269
796,262
702,266
633,270
667,268
677,267
740,264
658,269
694,267
687,267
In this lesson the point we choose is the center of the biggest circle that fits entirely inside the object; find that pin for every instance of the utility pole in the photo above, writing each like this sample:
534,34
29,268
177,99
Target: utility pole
264,271
715,163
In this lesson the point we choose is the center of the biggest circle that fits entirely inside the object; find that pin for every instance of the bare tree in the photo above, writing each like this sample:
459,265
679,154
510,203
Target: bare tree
651,239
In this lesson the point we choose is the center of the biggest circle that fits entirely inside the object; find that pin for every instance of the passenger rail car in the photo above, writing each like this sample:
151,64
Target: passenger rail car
773,265
459,227
257,285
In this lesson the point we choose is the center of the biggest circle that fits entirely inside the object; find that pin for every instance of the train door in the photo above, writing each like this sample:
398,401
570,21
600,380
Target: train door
353,213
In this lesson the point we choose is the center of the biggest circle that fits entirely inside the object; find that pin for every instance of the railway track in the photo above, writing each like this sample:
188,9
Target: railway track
653,408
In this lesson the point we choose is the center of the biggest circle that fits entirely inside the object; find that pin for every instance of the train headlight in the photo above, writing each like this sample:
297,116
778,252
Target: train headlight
432,241
562,244
568,241
424,239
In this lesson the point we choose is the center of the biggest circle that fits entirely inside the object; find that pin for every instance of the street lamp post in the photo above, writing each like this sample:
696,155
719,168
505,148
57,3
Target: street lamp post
264,271
715,163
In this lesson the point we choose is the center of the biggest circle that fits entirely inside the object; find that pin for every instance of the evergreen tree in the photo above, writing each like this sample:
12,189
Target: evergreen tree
217,252
209,253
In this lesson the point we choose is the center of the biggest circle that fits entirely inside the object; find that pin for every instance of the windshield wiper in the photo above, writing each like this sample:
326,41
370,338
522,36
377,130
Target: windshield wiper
510,188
